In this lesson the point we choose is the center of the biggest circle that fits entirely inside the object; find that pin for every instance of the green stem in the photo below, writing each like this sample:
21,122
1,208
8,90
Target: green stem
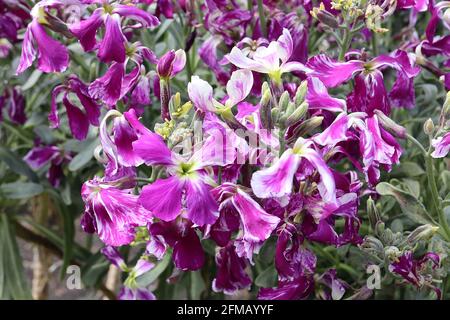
262,18
345,44
374,44
282,140
435,194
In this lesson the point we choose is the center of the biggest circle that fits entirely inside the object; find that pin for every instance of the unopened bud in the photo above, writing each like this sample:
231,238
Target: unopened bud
284,101
275,114
324,16
424,232
428,127
165,64
301,93
390,125
372,246
266,97
372,213
308,126
297,115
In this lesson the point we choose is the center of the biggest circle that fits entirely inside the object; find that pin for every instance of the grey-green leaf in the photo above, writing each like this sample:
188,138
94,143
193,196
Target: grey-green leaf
410,206
20,190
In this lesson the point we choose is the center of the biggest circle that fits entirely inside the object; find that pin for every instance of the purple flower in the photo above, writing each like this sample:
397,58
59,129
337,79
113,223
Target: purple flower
171,63
40,156
14,101
277,180
231,275
414,271
377,146
113,255
336,287
181,236
52,56
257,224
127,293
111,212
208,53
369,93
441,146
112,46
78,120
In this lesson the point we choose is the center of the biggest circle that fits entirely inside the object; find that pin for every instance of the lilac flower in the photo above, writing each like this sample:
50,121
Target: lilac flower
113,255
369,93
78,120
52,56
127,293
277,180
208,53
414,271
272,60
14,15
111,212
231,275
441,146
112,46
181,236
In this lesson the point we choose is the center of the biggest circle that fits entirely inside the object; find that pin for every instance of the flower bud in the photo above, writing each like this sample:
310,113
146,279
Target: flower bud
424,232
266,97
301,93
297,115
392,253
284,101
428,127
165,64
308,126
372,246
445,113
390,125
324,16
372,213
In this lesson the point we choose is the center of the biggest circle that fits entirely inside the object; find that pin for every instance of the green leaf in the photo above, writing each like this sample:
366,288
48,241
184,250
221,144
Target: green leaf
13,283
197,285
32,80
267,278
16,164
20,190
408,169
410,206
68,230
150,276
81,159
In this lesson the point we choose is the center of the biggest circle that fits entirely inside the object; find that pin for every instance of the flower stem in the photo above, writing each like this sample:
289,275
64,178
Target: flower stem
435,194
262,18
345,43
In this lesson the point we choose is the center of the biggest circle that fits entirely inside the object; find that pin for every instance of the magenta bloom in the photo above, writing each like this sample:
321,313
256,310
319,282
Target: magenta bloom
111,212
14,101
40,156
171,63
369,93
78,120
52,56
112,46
181,236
